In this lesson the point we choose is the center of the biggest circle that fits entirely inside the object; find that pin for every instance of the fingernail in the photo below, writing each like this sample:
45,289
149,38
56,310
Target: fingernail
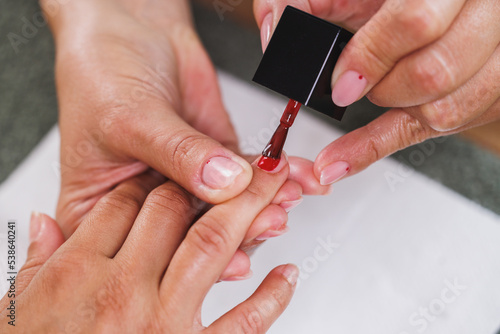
220,172
334,172
348,88
35,225
291,273
272,234
271,165
265,30
238,278
289,205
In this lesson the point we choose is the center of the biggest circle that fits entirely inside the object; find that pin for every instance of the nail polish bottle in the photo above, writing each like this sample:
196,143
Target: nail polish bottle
298,63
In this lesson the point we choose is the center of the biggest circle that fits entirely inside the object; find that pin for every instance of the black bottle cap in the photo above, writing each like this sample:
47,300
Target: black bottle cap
300,58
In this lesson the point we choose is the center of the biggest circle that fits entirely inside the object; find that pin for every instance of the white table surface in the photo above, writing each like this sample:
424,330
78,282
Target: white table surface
412,258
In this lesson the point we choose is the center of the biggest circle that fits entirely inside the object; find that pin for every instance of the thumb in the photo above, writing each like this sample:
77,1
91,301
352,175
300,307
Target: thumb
45,238
353,152
198,163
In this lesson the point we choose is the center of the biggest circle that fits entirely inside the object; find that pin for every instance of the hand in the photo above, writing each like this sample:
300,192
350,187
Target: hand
137,90
134,265
436,62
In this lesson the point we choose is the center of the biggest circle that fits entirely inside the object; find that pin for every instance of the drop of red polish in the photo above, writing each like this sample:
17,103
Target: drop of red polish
360,77
271,155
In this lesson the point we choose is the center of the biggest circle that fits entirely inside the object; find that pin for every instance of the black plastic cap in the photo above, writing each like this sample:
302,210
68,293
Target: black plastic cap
300,58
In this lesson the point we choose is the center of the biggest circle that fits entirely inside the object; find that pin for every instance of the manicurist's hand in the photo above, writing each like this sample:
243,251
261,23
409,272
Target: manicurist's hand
137,90
136,265
437,63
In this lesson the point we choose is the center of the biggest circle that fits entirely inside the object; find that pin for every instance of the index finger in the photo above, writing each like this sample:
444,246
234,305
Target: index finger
213,239
397,29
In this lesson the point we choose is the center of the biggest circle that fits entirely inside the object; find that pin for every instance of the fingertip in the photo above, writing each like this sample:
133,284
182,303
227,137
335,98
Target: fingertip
45,235
290,273
271,222
303,172
238,268
272,165
289,191
265,30
224,177
348,88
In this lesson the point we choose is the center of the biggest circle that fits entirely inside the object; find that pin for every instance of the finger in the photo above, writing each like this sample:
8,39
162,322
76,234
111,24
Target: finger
270,223
353,152
391,132
466,103
68,215
396,30
443,66
158,230
196,162
492,114
215,237
350,14
107,225
289,195
238,268
186,141
45,238
302,172
268,13
258,313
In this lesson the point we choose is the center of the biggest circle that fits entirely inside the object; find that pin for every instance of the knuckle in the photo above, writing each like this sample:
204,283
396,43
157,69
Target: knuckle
181,147
431,73
171,198
410,131
73,265
406,130
374,142
209,236
379,56
443,115
422,21
250,321
121,200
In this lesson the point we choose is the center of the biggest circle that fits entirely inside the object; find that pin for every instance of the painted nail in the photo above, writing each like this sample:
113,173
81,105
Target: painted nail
289,205
334,172
238,278
272,165
272,234
220,172
265,30
291,273
35,225
348,88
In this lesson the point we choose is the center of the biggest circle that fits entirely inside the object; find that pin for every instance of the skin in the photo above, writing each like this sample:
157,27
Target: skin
136,90
436,63
133,277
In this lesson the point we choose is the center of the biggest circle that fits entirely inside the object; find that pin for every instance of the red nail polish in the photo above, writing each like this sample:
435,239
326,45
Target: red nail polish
298,63
271,155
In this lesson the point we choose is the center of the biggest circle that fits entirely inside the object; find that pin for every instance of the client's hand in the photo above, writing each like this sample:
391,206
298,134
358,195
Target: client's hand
135,265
